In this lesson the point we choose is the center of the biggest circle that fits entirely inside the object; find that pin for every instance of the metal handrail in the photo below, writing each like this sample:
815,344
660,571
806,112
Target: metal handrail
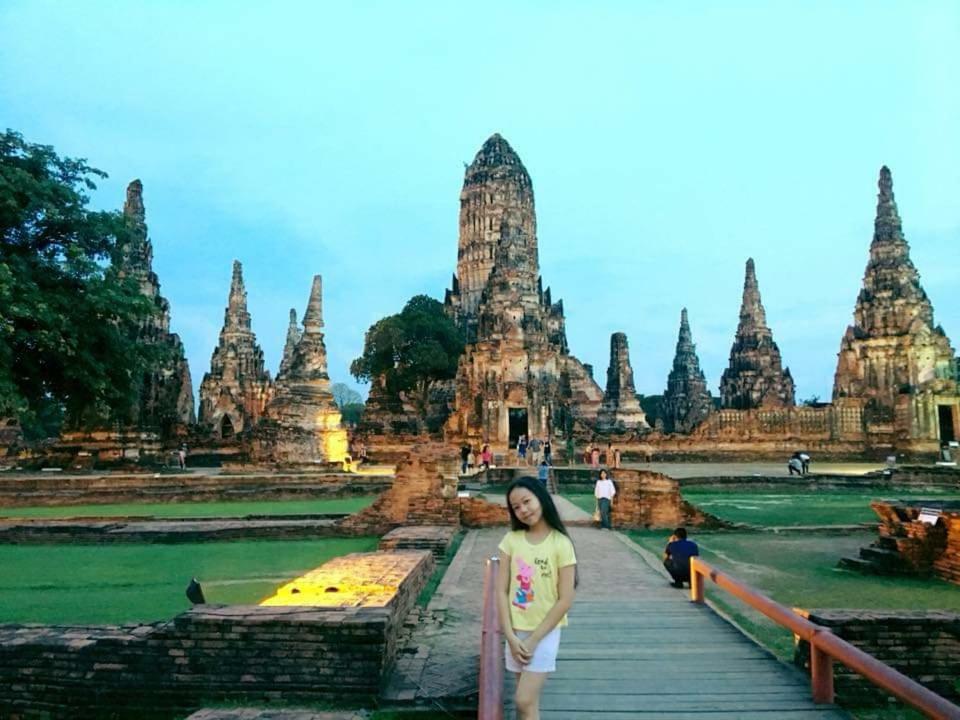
825,647
490,705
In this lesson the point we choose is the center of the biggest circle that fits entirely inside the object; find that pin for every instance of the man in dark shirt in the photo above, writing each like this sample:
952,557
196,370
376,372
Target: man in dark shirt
676,556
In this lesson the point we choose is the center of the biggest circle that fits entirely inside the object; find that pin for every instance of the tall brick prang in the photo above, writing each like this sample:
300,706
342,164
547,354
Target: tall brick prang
894,362
302,423
755,377
621,409
238,387
686,401
516,376
166,394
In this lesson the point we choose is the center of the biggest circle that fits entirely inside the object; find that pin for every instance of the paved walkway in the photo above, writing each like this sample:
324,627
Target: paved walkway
635,647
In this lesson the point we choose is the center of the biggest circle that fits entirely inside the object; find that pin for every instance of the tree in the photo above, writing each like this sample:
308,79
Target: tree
68,321
344,395
349,401
411,350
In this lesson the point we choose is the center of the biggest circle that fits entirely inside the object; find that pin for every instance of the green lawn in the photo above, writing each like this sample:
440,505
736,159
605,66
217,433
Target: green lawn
76,584
799,570
198,509
582,501
789,507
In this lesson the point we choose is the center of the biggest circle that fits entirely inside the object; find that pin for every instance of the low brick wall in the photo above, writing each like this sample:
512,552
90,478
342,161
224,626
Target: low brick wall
210,653
56,490
172,530
923,645
437,539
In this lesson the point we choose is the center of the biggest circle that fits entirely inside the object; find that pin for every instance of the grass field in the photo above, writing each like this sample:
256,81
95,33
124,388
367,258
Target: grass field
77,584
799,570
788,507
208,509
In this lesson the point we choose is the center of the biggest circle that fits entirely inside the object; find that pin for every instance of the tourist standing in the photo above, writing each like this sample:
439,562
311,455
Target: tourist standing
804,461
464,458
535,589
486,457
522,450
548,451
677,554
534,447
604,491
543,473
182,456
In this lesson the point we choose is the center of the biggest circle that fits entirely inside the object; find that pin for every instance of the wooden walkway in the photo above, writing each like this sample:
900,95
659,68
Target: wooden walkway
637,648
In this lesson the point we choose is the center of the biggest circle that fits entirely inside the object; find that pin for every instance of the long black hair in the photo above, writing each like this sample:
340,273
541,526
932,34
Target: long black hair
551,516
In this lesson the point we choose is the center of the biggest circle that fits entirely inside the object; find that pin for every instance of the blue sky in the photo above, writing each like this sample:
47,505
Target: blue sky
667,143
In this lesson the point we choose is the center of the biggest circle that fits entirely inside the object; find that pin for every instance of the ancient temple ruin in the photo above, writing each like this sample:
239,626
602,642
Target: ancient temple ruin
516,376
293,337
235,392
165,400
686,401
620,411
894,363
302,423
755,377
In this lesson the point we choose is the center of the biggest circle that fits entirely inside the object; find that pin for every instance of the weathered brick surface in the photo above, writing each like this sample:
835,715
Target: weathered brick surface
46,489
436,539
210,653
479,513
923,645
907,546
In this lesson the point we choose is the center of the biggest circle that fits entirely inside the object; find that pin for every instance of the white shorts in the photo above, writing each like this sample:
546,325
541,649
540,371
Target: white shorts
544,657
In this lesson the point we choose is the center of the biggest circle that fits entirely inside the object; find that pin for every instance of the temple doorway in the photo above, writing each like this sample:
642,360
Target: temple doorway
226,428
518,424
945,413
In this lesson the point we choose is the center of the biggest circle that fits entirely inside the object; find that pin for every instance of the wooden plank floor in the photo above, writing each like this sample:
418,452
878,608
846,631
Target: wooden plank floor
637,648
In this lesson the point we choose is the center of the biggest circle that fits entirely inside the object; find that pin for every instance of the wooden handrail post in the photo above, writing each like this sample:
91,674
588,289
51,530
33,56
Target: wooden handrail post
490,701
821,672
696,582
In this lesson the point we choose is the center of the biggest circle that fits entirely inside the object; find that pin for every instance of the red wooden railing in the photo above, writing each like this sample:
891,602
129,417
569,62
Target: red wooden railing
825,647
491,648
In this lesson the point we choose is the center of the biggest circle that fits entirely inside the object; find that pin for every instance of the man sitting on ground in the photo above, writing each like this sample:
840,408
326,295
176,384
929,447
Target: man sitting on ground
676,556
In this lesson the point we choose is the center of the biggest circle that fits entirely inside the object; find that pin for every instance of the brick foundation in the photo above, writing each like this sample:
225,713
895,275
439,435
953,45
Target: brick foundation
923,645
50,490
210,653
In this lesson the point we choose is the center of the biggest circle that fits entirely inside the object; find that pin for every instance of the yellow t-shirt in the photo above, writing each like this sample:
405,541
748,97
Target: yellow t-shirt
535,575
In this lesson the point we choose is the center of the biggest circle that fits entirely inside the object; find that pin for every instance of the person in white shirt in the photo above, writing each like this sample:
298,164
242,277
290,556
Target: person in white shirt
604,491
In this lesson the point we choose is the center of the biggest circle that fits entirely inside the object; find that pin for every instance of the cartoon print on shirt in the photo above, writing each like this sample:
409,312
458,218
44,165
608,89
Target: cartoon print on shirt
524,594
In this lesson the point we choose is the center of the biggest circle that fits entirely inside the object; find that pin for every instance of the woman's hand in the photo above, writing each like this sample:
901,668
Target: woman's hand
521,653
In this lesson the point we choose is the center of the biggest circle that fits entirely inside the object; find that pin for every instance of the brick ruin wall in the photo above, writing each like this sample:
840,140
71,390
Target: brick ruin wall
50,490
922,645
208,654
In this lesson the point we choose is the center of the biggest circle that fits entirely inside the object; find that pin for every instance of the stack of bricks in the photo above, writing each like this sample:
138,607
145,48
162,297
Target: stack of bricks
420,495
646,499
908,546
947,565
210,653
480,513
436,539
924,645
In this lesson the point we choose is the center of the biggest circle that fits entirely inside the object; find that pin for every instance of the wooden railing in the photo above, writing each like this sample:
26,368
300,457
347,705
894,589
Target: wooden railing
490,705
825,647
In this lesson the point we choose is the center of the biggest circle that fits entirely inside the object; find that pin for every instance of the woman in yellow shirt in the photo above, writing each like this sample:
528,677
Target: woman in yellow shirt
535,589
